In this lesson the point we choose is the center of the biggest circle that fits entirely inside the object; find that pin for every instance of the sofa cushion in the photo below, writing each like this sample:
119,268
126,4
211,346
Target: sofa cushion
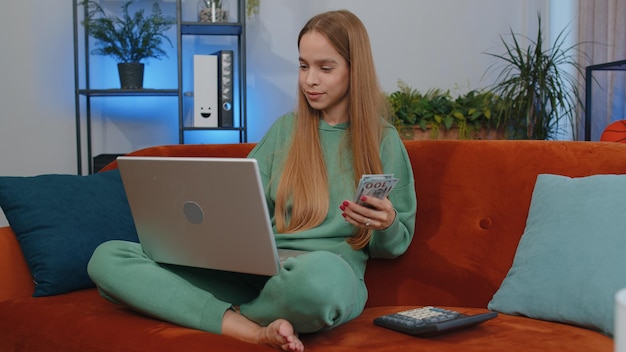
570,260
60,219
91,323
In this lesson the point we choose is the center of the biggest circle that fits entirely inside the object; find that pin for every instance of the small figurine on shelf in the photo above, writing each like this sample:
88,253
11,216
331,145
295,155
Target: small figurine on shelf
213,11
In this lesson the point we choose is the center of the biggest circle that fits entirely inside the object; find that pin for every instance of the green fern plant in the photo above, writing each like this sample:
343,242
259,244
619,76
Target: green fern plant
130,38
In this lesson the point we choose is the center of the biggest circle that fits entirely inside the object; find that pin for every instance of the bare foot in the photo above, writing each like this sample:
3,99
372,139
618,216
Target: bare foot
280,334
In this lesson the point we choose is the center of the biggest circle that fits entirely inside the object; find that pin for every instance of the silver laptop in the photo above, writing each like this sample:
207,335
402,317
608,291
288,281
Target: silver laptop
202,212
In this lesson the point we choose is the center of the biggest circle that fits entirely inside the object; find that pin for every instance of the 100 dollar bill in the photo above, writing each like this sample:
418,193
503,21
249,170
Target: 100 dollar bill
378,186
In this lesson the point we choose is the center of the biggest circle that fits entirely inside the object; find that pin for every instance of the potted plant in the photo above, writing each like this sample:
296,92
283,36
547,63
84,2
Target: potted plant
477,115
129,39
540,96
211,11
252,7
437,114
217,10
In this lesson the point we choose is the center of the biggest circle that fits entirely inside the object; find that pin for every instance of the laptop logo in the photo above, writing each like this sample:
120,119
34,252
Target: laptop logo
193,212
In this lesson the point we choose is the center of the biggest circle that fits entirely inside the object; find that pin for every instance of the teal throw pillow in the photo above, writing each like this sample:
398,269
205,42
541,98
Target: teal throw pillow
570,261
60,219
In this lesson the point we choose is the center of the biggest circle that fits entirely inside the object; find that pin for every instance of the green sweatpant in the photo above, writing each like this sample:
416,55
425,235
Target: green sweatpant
314,291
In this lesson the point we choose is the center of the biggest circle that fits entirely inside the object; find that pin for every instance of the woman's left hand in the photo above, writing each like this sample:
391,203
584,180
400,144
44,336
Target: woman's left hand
377,215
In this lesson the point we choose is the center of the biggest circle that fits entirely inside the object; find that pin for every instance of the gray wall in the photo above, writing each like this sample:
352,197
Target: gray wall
426,43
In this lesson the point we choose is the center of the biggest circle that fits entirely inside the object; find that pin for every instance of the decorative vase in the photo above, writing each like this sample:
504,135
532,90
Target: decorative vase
131,75
211,11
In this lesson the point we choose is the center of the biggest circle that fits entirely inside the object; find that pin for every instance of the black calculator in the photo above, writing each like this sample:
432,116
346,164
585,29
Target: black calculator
430,321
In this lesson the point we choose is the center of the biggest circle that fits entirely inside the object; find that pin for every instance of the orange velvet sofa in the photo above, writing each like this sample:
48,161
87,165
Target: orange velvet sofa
473,202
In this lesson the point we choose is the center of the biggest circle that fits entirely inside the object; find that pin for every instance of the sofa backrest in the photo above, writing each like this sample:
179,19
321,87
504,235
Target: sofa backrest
238,150
473,201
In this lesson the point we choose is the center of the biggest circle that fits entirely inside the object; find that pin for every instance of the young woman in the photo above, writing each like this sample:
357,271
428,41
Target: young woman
310,162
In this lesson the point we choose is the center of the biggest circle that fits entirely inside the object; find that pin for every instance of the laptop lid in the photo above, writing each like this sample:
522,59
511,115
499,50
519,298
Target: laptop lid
201,212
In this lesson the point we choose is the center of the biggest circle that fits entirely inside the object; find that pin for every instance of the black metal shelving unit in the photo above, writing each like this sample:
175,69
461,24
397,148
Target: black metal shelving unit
183,28
609,66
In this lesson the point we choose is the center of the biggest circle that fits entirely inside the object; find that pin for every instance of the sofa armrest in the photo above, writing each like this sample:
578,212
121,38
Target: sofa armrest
15,278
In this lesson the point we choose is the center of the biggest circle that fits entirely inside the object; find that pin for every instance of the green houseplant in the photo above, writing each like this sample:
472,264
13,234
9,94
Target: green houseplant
130,39
540,96
470,115
205,10
252,7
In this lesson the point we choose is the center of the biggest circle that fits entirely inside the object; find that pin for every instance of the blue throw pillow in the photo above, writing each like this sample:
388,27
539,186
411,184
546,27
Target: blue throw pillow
570,261
60,219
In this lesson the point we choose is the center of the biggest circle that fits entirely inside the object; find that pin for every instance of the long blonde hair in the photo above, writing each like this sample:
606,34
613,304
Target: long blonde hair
303,186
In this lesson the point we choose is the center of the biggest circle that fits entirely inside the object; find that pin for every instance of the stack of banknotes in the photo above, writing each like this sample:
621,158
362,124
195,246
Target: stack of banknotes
377,186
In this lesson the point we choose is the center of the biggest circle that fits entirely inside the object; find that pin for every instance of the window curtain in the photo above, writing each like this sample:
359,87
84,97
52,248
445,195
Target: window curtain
602,32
